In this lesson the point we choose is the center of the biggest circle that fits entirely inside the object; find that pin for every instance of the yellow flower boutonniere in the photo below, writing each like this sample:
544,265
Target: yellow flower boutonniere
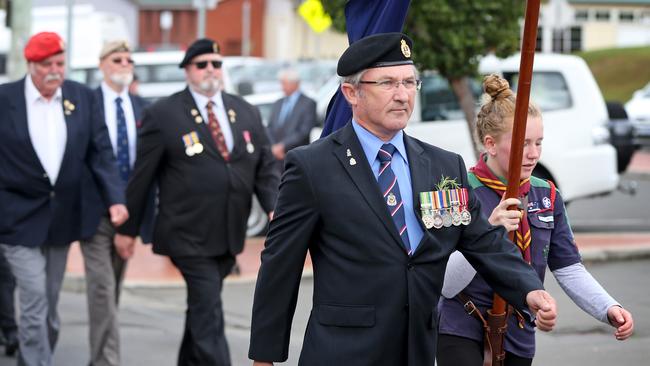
68,107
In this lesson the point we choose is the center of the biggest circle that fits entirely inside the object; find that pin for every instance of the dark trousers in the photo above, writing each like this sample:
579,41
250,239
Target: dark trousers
461,351
7,287
204,341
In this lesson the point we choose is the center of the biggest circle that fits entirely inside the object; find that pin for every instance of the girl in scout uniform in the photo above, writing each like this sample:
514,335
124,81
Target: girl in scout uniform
543,236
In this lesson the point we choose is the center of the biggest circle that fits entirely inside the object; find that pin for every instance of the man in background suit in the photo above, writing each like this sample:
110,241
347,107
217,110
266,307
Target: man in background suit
210,153
8,326
49,138
353,200
292,117
104,266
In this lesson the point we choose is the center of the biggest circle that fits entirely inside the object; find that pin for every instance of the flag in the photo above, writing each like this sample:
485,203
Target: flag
363,18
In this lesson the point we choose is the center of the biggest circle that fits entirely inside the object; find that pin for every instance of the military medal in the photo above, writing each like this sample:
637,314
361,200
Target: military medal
437,220
455,211
197,146
232,116
249,144
426,209
437,209
465,216
391,199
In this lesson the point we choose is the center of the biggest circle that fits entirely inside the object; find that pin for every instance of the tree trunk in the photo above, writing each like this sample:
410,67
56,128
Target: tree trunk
461,88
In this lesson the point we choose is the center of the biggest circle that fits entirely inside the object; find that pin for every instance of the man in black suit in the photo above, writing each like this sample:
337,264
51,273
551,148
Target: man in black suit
104,266
210,153
49,138
292,117
378,260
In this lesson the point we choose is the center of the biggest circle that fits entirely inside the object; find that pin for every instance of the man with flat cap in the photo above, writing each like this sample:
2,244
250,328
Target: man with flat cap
359,202
210,153
49,139
104,265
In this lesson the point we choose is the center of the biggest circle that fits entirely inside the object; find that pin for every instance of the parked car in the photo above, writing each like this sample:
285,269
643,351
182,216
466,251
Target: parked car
159,74
622,134
638,108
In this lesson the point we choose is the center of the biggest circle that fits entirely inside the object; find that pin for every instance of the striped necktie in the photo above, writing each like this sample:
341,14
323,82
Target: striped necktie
390,189
217,133
123,162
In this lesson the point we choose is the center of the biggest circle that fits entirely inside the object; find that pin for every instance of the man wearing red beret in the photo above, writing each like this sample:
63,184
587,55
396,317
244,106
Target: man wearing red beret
50,137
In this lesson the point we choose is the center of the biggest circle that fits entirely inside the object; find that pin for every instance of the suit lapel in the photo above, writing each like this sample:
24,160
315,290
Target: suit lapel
71,122
363,178
421,179
236,127
201,127
19,117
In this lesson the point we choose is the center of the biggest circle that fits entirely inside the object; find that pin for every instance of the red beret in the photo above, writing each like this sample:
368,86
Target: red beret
43,45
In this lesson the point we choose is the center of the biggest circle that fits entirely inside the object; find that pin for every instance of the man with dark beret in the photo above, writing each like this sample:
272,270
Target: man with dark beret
50,139
209,153
358,201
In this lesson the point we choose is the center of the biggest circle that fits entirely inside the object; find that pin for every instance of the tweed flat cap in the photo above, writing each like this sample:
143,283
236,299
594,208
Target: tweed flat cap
377,50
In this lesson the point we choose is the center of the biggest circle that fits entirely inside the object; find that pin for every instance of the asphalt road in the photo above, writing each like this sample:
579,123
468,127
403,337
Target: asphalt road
152,319
614,212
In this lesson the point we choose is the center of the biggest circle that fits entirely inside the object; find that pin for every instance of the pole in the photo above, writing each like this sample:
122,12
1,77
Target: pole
68,46
246,28
201,23
21,24
529,40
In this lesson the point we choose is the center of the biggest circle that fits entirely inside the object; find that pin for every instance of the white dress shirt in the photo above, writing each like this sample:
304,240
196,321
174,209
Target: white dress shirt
110,116
219,111
47,128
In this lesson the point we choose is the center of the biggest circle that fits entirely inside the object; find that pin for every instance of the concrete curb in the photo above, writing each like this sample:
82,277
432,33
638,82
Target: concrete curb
618,252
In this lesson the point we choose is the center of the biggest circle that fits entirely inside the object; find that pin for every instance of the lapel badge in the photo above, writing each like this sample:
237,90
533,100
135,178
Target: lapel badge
249,143
68,107
232,116
348,153
194,112
353,162
198,119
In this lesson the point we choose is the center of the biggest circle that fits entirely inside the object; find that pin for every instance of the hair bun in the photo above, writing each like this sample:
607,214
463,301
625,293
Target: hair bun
496,87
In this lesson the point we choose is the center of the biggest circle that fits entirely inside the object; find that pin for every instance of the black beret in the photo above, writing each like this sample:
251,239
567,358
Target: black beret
377,50
199,47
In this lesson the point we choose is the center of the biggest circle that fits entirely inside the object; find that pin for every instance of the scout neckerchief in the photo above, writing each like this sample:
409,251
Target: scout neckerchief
485,175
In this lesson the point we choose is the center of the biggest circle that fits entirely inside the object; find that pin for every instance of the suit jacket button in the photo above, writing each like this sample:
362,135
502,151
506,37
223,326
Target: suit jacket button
52,194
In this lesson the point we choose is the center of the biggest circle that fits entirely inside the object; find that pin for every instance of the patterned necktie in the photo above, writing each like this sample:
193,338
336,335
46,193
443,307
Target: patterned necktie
390,189
123,162
217,134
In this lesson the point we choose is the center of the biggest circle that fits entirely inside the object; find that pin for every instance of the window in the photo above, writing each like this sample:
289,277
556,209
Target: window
438,100
581,15
548,90
626,16
576,39
602,15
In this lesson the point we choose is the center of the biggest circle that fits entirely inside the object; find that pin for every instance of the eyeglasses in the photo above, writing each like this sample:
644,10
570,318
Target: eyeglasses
203,64
388,85
119,60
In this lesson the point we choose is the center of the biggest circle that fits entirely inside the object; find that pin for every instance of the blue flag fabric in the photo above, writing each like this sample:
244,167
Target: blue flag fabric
363,18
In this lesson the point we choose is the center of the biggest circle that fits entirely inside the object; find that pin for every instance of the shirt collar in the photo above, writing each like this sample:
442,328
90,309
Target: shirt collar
202,100
32,94
371,143
112,94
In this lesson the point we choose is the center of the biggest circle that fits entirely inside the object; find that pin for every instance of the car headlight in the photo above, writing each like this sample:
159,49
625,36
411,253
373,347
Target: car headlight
601,135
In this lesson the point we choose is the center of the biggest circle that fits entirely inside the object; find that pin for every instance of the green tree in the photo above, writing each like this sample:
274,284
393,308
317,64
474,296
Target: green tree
450,36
